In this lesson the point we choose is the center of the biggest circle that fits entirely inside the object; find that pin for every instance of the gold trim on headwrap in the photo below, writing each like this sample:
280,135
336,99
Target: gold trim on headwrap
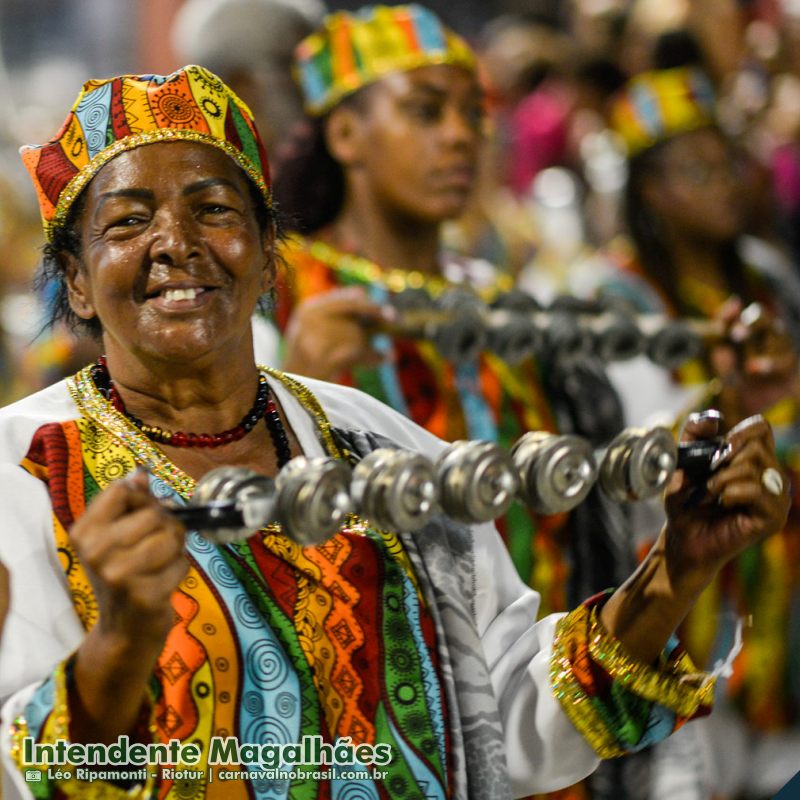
118,114
351,50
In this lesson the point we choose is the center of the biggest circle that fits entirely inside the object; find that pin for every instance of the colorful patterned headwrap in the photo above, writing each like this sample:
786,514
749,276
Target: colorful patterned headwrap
113,115
659,104
352,50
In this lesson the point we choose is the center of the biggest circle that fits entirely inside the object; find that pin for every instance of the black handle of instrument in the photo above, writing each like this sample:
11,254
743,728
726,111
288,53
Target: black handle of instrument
695,458
208,517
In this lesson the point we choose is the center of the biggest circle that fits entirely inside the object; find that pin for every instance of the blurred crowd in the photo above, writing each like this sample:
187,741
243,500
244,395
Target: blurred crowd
642,154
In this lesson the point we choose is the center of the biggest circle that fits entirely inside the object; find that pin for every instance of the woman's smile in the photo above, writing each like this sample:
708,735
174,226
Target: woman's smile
175,298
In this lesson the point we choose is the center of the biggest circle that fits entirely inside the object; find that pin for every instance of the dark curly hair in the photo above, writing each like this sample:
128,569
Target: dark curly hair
309,183
50,280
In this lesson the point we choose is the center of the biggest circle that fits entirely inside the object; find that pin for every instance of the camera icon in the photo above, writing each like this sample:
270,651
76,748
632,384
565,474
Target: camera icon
33,775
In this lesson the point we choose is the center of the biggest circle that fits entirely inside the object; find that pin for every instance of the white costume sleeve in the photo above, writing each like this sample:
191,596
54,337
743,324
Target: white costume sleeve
42,628
544,749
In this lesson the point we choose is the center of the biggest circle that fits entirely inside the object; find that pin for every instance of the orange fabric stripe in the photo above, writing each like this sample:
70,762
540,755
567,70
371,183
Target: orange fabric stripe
181,657
77,500
342,59
406,25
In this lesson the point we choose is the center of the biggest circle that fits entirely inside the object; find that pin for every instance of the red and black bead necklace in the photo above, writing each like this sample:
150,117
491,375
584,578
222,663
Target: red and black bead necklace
263,407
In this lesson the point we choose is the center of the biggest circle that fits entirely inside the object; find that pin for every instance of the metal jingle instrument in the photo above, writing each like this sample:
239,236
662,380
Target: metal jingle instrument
515,326
570,328
610,326
557,472
697,459
565,338
638,463
228,504
464,336
394,489
512,337
616,337
477,481
313,498
670,343
512,333
452,322
309,499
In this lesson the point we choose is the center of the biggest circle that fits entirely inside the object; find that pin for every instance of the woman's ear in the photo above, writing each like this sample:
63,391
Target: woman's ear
343,135
654,195
78,288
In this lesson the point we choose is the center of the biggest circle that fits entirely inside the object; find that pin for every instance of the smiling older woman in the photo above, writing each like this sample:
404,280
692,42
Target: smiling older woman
155,197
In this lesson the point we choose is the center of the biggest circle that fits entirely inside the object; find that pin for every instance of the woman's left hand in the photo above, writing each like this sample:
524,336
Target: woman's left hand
745,500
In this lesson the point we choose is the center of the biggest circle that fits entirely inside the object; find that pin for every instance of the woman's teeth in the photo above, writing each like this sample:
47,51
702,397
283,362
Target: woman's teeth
180,294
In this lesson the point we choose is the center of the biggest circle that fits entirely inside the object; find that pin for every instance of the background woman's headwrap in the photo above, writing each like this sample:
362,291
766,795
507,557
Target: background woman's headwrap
113,115
352,50
659,104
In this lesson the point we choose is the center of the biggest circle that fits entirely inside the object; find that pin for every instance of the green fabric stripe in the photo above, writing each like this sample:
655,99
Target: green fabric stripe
368,380
625,715
403,673
324,66
90,487
519,522
400,780
249,147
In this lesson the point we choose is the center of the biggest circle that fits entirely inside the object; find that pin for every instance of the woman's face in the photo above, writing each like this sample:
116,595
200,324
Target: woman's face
696,189
416,143
172,259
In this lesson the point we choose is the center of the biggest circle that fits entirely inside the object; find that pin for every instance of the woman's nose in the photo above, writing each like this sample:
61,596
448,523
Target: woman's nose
175,238
459,127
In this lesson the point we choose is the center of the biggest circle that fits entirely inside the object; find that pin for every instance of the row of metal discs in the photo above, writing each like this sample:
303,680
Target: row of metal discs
471,481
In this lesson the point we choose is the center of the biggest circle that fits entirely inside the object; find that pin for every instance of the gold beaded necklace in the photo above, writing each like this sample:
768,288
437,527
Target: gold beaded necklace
396,280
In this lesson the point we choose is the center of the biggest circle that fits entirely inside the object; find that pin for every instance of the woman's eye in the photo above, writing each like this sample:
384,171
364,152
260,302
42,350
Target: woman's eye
216,210
126,222
475,115
427,112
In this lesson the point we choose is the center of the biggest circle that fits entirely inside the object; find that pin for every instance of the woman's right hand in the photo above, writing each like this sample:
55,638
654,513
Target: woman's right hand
329,334
133,553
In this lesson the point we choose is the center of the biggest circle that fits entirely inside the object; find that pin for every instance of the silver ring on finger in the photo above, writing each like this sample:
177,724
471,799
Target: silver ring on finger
772,481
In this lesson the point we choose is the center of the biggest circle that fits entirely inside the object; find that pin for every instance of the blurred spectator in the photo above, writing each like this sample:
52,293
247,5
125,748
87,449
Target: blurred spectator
544,99
522,57
783,123
249,44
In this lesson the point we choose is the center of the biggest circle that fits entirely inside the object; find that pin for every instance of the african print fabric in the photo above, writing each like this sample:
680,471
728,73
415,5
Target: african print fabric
273,643
658,104
351,50
113,115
